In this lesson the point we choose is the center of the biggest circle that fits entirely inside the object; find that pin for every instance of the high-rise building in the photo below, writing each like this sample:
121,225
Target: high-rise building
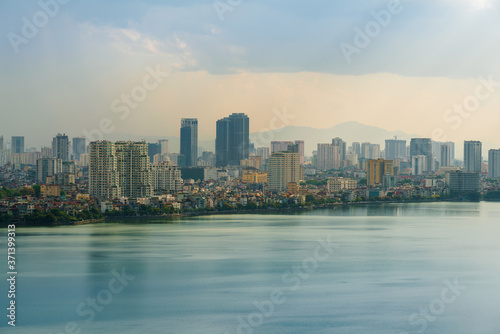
395,149
356,148
451,151
284,168
119,169
1,142
301,146
263,152
232,140
445,156
342,147
419,164
494,164
153,149
46,167
422,146
376,169
166,177
369,151
134,174
60,147
47,152
328,157
189,142
17,144
280,146
79,147
103,170
163,146
473,158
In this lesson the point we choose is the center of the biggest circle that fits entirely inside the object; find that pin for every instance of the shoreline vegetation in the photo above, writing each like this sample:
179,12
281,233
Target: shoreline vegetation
59,218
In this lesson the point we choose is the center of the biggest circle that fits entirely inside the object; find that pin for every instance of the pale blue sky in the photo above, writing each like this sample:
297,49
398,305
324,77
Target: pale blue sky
265,54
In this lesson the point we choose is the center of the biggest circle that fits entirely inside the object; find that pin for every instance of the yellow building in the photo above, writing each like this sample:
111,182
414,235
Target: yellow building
254,178
376,169
50,190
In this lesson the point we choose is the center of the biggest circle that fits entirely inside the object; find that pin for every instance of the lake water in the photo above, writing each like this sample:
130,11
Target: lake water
396,268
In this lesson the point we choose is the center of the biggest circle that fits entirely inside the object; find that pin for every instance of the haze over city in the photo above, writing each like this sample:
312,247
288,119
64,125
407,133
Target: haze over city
428,58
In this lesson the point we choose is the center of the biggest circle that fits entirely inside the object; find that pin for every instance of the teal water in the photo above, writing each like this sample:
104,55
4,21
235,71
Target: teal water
377,269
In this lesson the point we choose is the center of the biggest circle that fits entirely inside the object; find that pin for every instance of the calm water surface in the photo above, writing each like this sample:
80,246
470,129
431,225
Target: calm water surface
411,268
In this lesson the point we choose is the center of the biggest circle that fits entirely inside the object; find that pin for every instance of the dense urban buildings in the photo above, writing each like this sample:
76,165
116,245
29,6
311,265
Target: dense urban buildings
48,166
232,143
422,146
473,157
189,142
494,164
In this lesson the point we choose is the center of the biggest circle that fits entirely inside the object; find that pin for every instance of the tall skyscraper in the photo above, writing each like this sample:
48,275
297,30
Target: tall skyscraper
376,169
17,144
189,142
284,168
395,149
79,147
494,164
422,146
473,157
60,147
119,169
1,142
232,140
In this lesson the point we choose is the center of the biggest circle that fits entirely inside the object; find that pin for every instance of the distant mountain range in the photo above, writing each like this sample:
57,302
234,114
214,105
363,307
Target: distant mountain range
348,131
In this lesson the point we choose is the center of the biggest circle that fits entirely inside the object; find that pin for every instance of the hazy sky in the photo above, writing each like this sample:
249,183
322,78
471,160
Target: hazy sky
407,72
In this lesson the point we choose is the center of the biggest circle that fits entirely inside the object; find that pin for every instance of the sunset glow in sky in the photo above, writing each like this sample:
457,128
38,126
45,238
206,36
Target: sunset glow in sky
427,57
